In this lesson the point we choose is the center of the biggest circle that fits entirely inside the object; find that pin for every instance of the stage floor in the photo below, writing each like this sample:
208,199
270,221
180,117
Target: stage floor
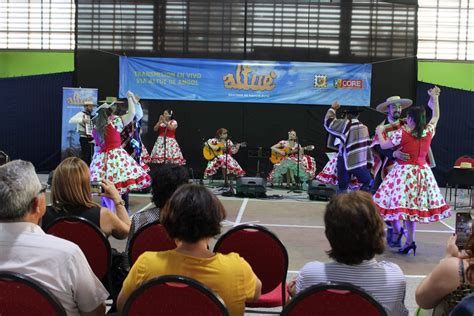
298,222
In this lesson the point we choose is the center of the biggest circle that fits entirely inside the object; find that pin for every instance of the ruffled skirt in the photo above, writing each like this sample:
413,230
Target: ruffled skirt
214,165
173,152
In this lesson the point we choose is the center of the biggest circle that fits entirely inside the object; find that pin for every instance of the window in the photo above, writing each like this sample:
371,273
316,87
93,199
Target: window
37,24
446,29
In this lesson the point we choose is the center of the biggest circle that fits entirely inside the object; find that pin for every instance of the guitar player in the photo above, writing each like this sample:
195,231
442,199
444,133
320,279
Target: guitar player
285,160
215,151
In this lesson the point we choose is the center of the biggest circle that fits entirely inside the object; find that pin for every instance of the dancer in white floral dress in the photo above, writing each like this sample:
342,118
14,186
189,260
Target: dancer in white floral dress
216,148
112,162
410,191
166,149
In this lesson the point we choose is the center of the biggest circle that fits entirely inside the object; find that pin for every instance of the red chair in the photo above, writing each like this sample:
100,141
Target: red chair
172,295
151,237
465,159
21,295
89,238
267,256
328,299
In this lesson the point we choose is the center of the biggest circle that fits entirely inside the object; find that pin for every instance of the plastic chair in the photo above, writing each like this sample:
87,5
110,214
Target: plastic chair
21,295
267,256
89,238
150,237
328,299
172,295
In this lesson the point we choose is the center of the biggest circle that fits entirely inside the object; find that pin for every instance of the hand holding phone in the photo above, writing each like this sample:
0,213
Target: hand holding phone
463,228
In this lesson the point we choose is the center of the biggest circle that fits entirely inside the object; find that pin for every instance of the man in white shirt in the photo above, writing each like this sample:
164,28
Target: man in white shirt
59,265
83,123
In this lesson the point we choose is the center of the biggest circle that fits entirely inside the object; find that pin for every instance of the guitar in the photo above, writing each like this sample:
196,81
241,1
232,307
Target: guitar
277,157
210,153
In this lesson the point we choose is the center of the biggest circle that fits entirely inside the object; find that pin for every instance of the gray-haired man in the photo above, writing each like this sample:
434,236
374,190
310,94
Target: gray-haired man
57,264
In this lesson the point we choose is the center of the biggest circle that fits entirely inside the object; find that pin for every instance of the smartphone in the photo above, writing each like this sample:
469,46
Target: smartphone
96,188
463,228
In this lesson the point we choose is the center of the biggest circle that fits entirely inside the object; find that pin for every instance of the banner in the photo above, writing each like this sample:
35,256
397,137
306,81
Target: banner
73,100
245,81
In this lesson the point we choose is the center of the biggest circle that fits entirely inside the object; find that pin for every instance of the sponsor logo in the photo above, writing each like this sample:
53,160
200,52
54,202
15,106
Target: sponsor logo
348,84
320,81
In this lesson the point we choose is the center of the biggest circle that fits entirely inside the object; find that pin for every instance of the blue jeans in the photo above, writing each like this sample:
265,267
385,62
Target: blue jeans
344,176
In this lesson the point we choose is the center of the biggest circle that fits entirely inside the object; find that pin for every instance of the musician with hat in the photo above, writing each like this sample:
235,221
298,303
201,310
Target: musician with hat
84,126
352,140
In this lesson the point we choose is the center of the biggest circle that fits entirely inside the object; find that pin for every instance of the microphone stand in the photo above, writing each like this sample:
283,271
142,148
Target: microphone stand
229,192
164,144
298,182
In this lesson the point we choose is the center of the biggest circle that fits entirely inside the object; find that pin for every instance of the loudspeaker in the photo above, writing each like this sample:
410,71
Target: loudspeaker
251,186
320,191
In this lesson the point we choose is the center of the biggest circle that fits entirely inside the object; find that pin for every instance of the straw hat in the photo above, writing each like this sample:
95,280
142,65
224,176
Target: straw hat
88,102
353,110
108,102
383,107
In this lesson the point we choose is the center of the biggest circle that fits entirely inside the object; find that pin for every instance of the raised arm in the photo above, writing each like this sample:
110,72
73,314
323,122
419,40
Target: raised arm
128,118
433,103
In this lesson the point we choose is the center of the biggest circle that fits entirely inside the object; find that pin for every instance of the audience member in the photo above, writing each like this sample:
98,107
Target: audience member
191,217
59,265
355,232
450,281
165,179
71,195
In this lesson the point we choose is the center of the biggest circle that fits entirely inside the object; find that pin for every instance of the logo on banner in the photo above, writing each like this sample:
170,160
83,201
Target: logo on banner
245,80
348,84
320,81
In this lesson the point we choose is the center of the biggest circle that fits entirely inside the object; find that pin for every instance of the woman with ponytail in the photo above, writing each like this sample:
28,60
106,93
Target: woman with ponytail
410,192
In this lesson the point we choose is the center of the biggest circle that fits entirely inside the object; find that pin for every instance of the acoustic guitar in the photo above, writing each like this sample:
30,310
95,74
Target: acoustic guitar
210,153
277,157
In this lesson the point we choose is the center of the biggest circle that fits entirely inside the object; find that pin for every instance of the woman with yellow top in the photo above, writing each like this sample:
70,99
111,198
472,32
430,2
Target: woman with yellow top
192,216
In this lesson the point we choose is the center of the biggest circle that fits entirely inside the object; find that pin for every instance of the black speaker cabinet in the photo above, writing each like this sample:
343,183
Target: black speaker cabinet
320,191
251,186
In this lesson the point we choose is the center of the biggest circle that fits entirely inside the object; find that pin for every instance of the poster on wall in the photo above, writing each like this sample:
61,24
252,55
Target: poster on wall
73,100
246,81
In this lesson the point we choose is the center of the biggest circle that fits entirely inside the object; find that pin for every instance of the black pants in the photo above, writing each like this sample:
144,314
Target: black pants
344,176
86,149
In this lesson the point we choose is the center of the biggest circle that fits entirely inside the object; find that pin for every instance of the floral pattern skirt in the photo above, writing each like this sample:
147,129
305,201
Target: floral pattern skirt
119,167
410,192
329,175
173,152
307,169
233,166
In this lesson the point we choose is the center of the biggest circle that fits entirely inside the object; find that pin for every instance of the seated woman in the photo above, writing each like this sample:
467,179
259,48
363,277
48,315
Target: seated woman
217,147
164,181
287,151
450,281
355,233
193,216
71,195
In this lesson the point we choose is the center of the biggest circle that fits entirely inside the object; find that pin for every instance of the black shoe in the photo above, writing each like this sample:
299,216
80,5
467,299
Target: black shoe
405,250
396,239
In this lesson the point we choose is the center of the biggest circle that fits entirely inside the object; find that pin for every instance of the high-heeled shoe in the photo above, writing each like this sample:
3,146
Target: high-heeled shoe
397,239
405,250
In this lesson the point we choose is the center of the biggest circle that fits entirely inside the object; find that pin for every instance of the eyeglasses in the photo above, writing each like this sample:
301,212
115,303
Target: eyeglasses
44,186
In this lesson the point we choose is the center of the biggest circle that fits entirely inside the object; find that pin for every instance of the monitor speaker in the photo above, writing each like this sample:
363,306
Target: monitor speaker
318,191
251,186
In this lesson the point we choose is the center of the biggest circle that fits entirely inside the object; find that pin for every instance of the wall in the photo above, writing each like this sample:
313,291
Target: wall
25,63
457,75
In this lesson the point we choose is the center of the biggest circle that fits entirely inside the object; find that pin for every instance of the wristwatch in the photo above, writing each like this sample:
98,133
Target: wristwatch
121,202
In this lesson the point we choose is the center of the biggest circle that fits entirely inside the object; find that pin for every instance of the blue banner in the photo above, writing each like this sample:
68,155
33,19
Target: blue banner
73,100
245,81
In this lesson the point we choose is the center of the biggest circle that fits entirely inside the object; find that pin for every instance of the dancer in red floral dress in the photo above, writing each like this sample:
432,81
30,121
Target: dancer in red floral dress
410,191
112,162
166,149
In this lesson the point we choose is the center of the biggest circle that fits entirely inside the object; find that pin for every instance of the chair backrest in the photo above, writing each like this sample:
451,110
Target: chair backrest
3,158
88,237
21,295
334,299
464,159
172,295
262,249
150,237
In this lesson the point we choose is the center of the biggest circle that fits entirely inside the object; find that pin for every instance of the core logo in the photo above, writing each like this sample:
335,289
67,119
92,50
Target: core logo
348,84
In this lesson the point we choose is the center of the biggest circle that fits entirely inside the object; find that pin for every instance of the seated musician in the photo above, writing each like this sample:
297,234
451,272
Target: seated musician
285,160
215,151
